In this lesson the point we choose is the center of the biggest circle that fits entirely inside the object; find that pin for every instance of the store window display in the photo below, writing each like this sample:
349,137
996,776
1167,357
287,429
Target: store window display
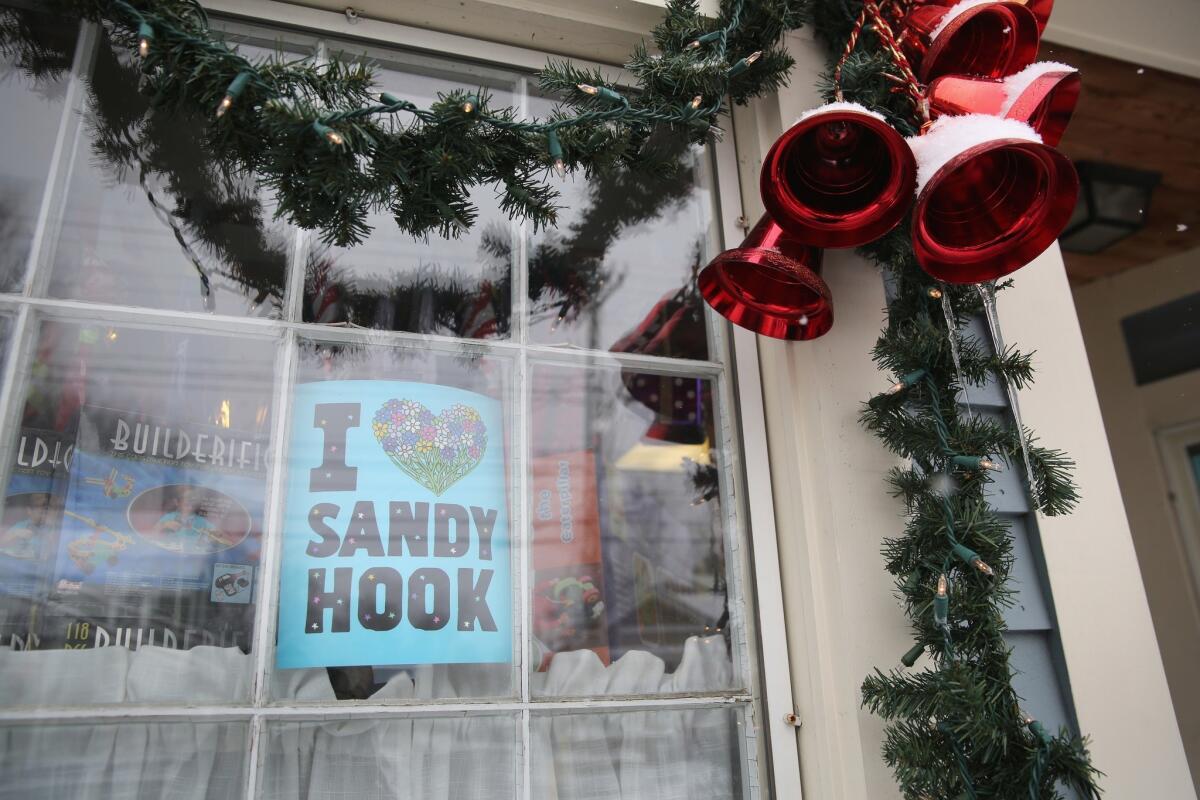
525,503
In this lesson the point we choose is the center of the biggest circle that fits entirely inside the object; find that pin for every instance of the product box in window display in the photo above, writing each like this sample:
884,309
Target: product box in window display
609,582
645,494
569,610
29,530
160,536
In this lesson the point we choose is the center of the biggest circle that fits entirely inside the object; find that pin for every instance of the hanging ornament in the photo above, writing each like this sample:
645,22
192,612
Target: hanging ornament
840,177
990,198
970,37
1043,95
770,285
1041,12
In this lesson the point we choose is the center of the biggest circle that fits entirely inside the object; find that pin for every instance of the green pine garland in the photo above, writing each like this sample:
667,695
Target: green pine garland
956,730
332,151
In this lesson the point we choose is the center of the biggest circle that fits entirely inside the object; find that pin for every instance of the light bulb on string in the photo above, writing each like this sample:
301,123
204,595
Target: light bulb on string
554,147
941,601
907,381
695,44
470,105
935,293
912,580
977,463
971,558
696,101
145,39
602,92
561,317
910,658
1038,730
744,64
329,134
232,92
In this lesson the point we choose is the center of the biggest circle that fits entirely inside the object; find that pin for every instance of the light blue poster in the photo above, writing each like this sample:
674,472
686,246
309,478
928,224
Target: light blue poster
395,546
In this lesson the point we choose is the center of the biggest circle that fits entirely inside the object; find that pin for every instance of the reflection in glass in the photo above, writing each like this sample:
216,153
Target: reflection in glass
36,50
629,586
463,369
455,287
133,519
151,219
673,328
138,761
430,758
624,242
634,755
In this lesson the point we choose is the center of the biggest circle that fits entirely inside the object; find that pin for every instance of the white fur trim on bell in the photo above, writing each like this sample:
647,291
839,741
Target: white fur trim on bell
957,11
950,136
1019,82
843,106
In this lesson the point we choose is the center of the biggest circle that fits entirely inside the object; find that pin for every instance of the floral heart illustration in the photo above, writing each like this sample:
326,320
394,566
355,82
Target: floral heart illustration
435,451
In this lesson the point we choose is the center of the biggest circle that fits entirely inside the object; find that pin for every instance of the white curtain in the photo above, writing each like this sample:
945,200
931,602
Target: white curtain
128,761
638,755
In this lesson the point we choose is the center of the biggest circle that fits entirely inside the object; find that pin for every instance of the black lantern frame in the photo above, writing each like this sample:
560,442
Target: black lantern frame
1113,204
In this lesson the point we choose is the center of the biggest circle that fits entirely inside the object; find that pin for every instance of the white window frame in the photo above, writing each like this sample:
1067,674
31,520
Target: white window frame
771,732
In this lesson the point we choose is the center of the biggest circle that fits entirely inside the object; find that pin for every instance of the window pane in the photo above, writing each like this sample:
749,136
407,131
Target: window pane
619,270
133,761
630,595
134,515
455,287
151,220
431,758
34,72
397,574
633,755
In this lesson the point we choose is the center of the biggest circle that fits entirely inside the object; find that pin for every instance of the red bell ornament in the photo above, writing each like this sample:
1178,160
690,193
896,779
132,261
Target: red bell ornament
1043,95
970,37
840,177
1041,12
990,198
770,285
